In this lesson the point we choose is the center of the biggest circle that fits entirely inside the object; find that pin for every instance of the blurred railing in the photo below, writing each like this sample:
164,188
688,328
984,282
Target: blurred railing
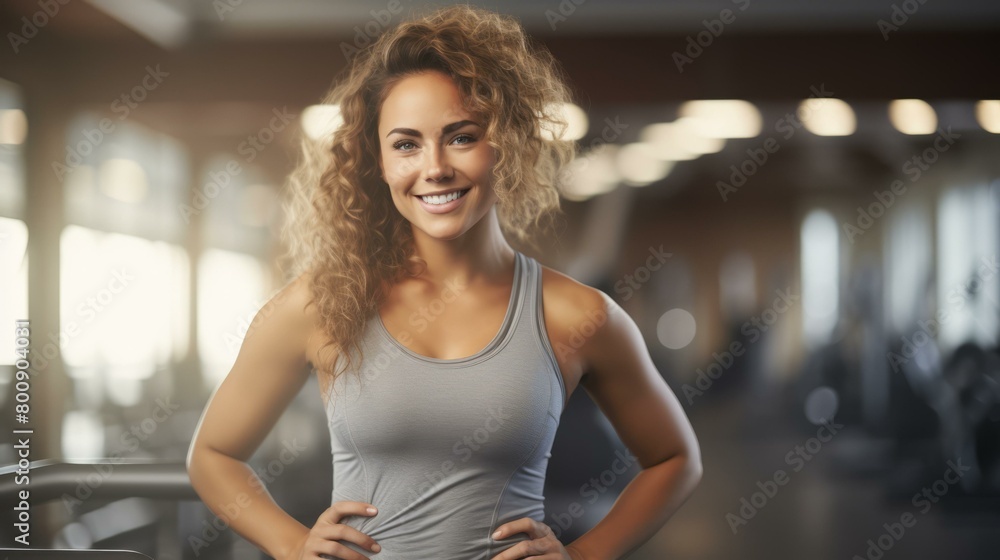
52,480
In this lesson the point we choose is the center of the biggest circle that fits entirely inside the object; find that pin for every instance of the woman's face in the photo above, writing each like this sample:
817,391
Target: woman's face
430,145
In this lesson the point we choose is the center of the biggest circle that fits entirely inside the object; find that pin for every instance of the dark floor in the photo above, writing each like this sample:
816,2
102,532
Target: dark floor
828,509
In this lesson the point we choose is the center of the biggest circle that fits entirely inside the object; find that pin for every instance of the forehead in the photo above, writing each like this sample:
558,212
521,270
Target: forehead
425,101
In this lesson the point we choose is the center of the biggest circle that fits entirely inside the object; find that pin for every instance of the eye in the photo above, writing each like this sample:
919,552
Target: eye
466,136
398,145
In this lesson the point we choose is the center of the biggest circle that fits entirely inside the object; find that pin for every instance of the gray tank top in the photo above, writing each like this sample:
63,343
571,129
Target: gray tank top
449,449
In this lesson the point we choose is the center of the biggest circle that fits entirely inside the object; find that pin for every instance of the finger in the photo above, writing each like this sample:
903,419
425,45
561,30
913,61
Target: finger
341,532
526,549
339,510
522,525
335,550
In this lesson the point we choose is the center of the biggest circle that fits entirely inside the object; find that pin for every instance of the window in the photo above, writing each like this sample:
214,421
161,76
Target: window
124,286
967,286
123,307
820,275
907,266
13,282
231,288
13,232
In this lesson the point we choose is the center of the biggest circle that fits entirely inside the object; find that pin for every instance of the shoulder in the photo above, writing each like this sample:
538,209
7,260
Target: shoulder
293,300
286,318
571,298
577,313
300,302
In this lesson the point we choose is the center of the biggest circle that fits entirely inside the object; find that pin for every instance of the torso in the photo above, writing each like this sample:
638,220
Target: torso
465,325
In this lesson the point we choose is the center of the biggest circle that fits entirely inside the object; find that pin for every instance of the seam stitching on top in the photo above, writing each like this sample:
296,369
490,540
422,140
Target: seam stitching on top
503,493
364,468
541,337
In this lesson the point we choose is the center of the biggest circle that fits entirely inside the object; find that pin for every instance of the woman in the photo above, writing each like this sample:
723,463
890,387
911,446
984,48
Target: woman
442,372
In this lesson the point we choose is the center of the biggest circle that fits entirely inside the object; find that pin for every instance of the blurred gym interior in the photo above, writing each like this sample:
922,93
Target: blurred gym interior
798,204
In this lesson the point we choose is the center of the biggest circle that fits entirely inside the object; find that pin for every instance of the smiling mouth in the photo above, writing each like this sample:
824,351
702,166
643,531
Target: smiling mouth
443,199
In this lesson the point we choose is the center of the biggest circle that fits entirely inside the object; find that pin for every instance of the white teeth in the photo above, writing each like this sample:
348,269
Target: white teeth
442,199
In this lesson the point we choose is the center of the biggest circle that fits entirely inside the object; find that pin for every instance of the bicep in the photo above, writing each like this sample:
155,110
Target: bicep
623,381
269,371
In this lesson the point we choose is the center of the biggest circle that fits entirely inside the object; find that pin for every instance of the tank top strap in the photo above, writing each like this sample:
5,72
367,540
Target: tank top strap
529,299
525,292
530,330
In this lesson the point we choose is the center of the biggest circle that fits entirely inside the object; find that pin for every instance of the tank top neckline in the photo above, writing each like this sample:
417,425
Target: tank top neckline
491,347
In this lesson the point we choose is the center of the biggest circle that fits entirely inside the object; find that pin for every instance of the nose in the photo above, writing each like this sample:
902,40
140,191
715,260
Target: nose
437,168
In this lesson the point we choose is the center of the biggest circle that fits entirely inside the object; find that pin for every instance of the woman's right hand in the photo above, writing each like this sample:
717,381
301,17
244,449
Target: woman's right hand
322,541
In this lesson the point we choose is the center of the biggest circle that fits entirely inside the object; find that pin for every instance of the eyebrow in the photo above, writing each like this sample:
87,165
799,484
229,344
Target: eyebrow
448,128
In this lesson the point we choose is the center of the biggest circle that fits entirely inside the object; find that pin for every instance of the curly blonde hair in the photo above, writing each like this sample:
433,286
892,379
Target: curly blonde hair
342,227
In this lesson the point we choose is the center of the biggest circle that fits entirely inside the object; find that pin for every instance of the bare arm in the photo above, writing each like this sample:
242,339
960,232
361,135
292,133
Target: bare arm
624,383
269,371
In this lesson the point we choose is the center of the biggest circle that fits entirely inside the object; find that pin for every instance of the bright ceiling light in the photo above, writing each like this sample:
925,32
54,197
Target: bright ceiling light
913,116
723,118
321,121
827,116
576,122
680,140
639,165
988,115
591,174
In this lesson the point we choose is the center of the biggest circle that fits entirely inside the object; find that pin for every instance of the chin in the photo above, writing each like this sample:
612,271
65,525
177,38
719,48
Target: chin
446,235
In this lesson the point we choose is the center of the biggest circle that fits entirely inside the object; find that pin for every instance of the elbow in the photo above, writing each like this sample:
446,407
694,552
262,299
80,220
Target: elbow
196,454
193,452
695,470
191,460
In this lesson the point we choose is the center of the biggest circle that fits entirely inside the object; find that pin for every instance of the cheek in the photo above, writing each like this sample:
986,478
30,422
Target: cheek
483,162
401,168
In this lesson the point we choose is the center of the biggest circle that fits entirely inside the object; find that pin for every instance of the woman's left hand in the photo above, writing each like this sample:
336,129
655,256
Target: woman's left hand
543,544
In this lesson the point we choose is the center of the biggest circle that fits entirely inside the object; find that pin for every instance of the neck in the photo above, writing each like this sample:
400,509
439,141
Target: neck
482,252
